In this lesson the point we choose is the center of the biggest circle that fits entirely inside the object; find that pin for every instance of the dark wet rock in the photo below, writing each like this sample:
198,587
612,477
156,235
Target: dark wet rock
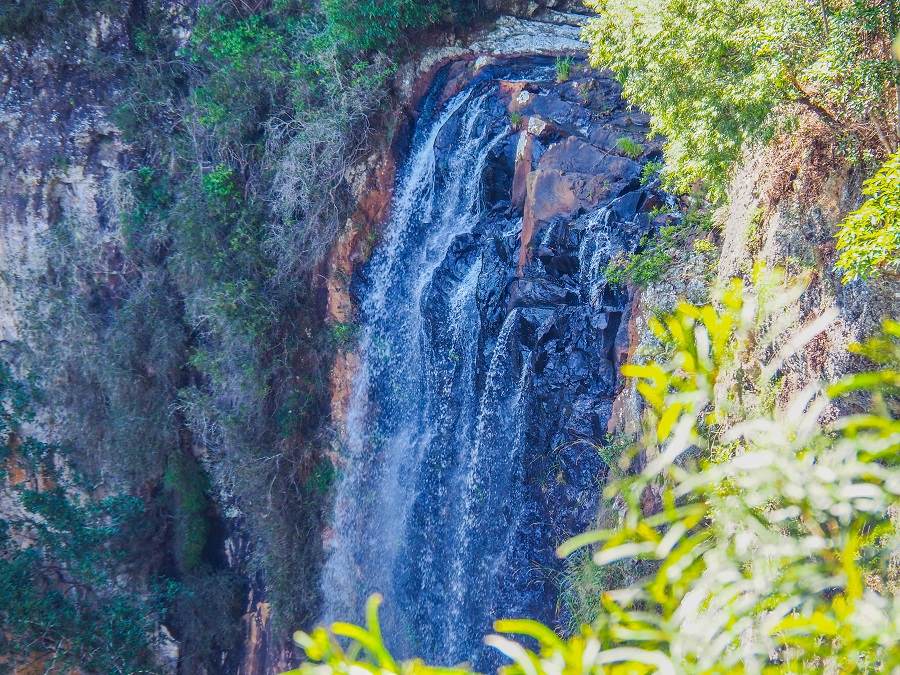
626,206
565,115
503,361
499,171
576,156
557,265
539,293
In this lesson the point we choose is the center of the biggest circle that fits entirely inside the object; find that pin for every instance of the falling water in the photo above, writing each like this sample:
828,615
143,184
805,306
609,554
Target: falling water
436,509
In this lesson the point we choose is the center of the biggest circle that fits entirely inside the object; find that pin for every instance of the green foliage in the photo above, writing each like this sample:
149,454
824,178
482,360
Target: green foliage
515,120
379,24
614,451
869,238
247,132
652,260
366,653
60,595
322,478
343,333
704,247
20,15
656,253
373,24
884,350
629,147
187,486
563,68
768,548
649,170
219,183
716,75
204,612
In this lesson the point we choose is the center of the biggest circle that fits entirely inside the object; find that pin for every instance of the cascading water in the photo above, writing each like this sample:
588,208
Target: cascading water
460,473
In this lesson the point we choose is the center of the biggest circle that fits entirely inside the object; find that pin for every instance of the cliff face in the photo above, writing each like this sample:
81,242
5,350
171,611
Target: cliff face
784,207
64,167
67,191
784,204
62,158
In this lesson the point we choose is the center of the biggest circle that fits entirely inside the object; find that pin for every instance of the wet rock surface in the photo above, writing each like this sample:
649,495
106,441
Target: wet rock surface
488,354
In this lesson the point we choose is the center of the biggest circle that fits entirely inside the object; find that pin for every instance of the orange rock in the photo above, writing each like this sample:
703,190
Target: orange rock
341,385
509,92
16,474
570,176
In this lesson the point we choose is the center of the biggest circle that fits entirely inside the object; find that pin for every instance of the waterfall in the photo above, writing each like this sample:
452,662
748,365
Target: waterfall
453,462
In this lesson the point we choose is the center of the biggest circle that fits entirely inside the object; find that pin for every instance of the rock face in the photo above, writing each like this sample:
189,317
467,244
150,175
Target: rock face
63,166
784,206
60,159
487,354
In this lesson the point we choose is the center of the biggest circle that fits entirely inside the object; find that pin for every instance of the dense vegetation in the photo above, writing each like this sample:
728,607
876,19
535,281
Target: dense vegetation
60,554
721,77
869,238
372,24
765,537
718,75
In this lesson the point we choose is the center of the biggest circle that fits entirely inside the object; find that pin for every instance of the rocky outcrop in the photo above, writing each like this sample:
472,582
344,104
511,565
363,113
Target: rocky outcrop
785,203
571,176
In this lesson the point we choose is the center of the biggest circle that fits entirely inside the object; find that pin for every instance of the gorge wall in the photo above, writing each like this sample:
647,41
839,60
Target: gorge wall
477,367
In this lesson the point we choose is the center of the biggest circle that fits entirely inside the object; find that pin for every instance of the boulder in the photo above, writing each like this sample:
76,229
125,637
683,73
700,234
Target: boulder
574,155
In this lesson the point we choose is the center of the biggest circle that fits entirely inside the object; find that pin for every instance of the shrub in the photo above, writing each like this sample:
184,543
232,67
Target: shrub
868,239
769,535
717,75
186,486
219,183
378,24
61,596
649,170
704,247
342,333
650,262
242,192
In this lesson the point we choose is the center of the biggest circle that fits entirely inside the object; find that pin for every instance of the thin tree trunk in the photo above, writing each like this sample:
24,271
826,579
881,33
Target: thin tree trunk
806,99
825,23
884,132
